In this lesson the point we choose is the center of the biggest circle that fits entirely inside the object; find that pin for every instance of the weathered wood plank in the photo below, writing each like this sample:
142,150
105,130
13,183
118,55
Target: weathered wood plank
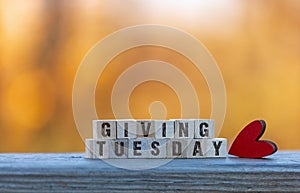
71,172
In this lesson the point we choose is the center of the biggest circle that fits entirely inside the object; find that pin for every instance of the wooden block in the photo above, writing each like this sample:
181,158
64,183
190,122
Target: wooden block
96,149
216,147
138,148
204,128
89,149
104,129
101,150
184,128
157,148
118,148
126,129
145,128
176,148
196,149
164,129
207,148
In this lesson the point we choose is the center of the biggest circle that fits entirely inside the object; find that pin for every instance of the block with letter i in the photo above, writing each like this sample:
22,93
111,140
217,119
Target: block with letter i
164,129
126,129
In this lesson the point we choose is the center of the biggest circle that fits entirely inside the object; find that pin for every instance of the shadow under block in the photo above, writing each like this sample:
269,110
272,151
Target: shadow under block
104,129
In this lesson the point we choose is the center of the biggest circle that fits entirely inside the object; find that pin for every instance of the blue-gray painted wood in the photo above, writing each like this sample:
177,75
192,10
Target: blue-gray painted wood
71,172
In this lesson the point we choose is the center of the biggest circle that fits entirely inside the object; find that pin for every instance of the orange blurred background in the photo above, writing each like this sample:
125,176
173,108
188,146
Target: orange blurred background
255,43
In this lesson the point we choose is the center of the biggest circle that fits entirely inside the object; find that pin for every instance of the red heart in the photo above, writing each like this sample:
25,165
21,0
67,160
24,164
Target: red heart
247,144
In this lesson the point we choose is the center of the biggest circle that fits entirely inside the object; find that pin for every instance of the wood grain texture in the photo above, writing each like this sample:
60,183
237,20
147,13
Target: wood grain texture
71,172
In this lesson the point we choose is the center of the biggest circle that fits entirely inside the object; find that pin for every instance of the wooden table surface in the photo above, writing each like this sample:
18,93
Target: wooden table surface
71,172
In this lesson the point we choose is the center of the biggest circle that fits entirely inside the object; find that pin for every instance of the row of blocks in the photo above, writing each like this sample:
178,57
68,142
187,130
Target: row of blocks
156,148
128,129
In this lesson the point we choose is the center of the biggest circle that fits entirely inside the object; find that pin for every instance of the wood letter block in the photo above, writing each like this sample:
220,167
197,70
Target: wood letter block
96,149
89,149
104,129
145,128
184,128
204,128
118,148
138,148
126,129
196,148
216,147
157,148
164,129
176,148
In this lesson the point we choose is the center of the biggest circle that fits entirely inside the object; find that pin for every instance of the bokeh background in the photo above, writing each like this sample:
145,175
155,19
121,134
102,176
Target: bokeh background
255,43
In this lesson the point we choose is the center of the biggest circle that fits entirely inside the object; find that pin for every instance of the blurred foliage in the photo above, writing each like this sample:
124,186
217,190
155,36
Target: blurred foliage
255,43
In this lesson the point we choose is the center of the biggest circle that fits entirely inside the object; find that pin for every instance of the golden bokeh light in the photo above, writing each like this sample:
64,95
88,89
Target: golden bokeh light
29,101
256,45
133,56
148,92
